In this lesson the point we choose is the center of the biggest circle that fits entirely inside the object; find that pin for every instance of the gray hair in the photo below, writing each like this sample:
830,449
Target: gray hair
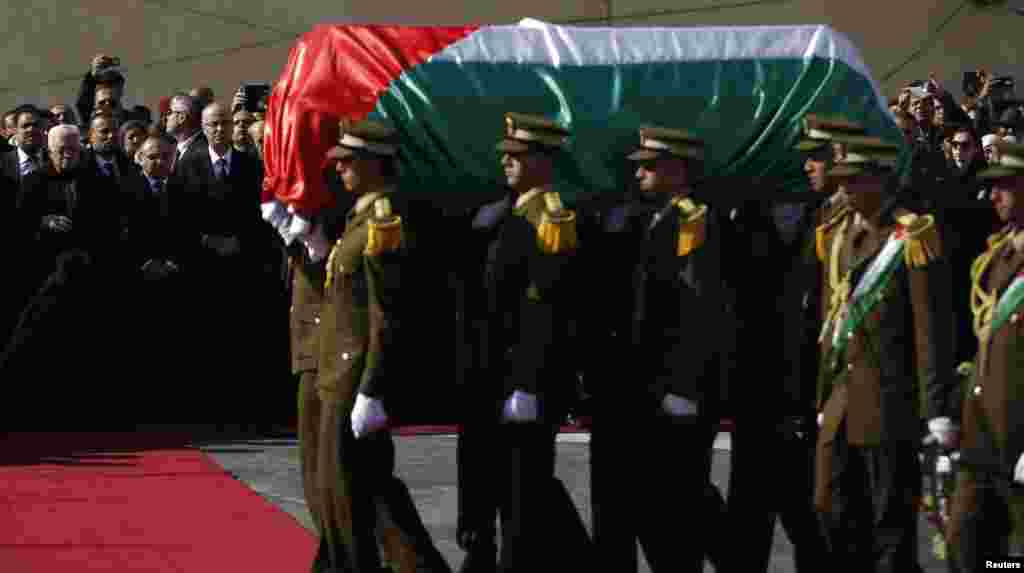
59,131
188,101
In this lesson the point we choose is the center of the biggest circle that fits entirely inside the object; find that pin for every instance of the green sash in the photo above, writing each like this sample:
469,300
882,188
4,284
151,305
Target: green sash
867,295
1008,303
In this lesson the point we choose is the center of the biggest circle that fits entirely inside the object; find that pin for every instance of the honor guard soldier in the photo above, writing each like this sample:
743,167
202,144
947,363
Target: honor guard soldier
529,287
358,372
307,268
887,362
651,440
777,413
988,509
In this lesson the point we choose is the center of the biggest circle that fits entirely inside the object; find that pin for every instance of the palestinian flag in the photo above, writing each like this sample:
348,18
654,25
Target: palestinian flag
743,89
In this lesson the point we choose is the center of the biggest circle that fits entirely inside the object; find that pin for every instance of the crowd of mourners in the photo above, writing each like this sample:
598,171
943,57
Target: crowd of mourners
137,256
143,284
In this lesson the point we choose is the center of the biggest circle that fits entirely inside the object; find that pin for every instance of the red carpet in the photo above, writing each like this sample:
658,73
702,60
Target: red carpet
137,504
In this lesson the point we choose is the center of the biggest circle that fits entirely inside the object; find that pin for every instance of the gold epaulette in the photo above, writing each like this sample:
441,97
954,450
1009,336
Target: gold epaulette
385,229
692,225
923,244
821,233
556,232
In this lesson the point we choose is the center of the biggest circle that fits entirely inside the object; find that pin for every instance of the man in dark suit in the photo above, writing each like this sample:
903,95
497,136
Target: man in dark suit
660,254
107,160
26,157
219,190
75,224
184,125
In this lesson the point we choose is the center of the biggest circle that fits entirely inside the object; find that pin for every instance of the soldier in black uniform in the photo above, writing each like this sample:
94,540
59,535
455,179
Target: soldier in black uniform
660,254
527,363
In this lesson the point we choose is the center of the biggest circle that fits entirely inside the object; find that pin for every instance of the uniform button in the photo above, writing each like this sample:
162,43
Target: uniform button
849,336
849,367
1014,318
316,320
977,390
345,356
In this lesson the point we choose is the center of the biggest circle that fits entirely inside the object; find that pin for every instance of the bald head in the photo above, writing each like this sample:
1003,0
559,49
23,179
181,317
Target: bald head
217,126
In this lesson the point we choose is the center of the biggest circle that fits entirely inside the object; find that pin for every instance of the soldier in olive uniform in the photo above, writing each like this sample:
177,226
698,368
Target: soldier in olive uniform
887,363
988,509
306,271
659,257
358,369
774,402
530,286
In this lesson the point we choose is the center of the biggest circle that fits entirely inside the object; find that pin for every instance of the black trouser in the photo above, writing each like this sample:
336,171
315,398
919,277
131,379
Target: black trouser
772,477
648,476
541,529
872,522
478,498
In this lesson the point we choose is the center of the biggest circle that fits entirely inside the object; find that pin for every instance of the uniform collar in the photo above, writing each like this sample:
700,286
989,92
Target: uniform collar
364,202
529,195
23,157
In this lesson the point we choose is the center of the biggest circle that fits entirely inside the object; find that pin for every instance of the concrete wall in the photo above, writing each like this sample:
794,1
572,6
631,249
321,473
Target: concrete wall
165,46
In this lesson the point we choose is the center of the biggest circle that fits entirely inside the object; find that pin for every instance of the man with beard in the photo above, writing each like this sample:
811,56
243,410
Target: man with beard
184,125
987,519
77,233
106,158
887,363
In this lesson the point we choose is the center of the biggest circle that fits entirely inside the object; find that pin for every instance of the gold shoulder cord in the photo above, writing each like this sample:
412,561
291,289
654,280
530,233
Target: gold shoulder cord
840,286
330,265
982,303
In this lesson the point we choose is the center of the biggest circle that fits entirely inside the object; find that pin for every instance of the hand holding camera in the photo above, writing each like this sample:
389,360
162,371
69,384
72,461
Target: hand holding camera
239,101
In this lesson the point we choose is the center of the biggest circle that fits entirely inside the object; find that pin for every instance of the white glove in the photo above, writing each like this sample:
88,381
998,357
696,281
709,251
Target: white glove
368,416
1018,470
317,245
821,419
943,465
943,432
678,406
298,227
274,213
520,407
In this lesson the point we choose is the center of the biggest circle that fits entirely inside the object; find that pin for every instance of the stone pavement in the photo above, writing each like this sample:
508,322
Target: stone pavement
427,464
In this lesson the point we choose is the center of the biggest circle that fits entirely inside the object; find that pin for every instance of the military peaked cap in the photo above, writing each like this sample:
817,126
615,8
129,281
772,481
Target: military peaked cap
1011,162
524,132
865,155
365,136
656,142
819,132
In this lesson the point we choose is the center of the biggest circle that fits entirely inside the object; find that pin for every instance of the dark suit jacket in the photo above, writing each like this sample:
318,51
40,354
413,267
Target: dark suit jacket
197,145
222,208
